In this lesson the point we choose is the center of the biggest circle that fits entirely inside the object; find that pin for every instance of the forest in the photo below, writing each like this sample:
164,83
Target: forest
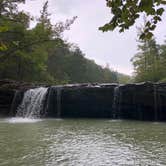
40,54
150,61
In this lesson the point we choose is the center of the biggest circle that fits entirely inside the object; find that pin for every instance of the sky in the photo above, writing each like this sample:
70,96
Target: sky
113,48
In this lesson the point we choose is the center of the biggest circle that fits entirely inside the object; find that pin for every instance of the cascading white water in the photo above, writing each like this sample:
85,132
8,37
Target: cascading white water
32,103
13,102
58,102
155,103
115,101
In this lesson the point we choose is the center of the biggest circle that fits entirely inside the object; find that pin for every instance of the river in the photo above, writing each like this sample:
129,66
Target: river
81,142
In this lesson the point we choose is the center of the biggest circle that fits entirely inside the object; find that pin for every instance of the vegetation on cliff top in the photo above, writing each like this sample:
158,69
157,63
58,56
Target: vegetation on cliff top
40,54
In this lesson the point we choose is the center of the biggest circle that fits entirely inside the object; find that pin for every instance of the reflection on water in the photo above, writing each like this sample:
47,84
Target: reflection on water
82,143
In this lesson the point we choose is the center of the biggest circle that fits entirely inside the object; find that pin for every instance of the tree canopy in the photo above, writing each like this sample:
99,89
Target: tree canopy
150,61
40,54
126,12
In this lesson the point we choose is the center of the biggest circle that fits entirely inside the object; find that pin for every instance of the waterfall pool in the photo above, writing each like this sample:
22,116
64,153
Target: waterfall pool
79,142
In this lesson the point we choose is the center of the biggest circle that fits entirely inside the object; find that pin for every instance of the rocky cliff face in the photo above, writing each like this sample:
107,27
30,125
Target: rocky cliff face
91,101
145,101
6,97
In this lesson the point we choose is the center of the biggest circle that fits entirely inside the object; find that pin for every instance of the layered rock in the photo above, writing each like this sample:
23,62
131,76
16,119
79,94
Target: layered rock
145,101
6,98
81,101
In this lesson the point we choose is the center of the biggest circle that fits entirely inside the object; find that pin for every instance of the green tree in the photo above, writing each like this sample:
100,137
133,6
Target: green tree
147,61
123,78
40,53
162,64
9,16
125,13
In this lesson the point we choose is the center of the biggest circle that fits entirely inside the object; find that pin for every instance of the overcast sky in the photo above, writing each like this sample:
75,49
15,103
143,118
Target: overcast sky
110,47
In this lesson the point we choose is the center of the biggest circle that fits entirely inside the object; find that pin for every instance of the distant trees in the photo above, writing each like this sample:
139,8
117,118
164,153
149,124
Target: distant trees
150,62
40,54
68,65
123,78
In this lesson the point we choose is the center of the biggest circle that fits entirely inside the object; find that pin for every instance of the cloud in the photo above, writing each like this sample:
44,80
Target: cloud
64,6
111,47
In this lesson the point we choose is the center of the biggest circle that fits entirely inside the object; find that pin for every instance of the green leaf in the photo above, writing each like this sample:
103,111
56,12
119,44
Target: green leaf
146,5
3,28
160,11
3,47
148,24
152,27
16,43
149,35
142,36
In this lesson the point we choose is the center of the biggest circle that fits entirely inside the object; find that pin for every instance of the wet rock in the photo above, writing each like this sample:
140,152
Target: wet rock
137,101
87,102
80,101
161,101
144,101
6,97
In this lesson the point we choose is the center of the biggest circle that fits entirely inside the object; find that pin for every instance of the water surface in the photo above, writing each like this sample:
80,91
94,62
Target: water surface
81,142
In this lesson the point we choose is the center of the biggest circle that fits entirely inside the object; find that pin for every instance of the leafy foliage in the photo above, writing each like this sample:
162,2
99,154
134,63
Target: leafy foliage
40,54
150,62
126,12
123,78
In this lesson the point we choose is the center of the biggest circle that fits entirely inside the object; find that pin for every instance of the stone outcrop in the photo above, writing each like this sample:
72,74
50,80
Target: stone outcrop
144,101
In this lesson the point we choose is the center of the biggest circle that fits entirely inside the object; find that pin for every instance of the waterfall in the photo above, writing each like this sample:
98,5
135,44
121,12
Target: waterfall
115,102
58,102
54,102
16,101
32,103
155,103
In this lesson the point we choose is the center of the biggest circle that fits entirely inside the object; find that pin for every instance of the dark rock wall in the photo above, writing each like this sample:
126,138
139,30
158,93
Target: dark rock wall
137,102
89,102
17,99
51,103
161,101
144,101
6,97
75,102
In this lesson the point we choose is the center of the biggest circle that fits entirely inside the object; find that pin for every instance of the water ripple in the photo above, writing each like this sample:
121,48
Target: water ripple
83,143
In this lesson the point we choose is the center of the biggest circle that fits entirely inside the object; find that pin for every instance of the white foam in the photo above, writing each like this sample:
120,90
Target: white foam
32,103
22,120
